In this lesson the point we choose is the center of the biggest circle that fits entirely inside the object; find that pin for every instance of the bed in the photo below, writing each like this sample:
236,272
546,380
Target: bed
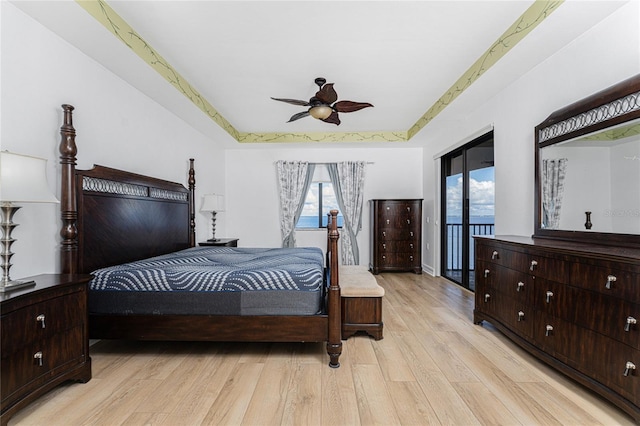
115,222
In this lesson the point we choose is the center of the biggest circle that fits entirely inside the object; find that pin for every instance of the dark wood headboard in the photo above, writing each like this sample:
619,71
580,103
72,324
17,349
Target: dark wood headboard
111,216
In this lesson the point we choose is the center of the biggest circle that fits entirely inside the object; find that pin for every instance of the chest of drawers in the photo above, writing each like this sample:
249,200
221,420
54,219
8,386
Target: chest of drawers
573,306
396,234
44,339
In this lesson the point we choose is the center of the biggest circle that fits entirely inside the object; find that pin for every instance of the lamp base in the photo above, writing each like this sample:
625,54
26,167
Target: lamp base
6,286
213,240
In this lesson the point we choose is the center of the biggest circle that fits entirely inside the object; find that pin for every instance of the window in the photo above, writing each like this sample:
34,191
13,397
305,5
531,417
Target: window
320,199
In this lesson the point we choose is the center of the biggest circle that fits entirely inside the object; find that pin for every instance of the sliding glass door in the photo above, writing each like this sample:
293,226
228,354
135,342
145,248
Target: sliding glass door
468,183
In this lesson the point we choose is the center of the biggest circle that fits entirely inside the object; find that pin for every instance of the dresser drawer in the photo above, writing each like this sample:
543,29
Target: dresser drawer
399,260
41,320
399,208
23,368
617,318
502,256
512,313
608,280
396,246
397,234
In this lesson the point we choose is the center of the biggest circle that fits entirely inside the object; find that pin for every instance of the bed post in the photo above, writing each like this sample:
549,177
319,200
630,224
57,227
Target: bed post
334,342
68,203
192,204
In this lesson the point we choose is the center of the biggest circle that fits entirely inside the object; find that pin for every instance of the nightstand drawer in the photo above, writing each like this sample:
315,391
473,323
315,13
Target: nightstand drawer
41,320
24,368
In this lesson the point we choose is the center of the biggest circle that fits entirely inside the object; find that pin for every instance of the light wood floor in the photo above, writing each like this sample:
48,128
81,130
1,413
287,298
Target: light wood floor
434,366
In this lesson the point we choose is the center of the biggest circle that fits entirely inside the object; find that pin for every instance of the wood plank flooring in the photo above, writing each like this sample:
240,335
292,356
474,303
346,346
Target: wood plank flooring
434,366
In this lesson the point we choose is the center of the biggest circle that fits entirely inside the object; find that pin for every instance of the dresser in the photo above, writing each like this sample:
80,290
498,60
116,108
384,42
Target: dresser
44,338
575,306
396,235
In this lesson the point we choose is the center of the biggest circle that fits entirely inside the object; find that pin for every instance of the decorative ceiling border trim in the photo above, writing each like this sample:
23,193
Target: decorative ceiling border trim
530,19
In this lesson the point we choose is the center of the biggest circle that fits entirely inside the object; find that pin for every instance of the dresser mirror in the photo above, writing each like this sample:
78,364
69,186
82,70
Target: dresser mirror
588,169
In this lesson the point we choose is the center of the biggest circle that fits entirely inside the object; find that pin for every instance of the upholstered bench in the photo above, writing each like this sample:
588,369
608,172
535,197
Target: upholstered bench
361,301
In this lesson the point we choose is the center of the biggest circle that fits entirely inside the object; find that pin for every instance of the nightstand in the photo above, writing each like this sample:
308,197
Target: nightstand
44,338
221,242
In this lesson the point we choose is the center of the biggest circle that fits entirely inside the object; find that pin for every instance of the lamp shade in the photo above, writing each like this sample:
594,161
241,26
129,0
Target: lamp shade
23,179
212,203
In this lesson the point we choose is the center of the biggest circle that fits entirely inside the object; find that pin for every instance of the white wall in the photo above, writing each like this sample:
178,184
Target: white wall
606,54
252,198
116,126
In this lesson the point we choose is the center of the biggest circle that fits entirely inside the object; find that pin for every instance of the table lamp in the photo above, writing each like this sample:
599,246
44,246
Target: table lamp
23,179
213,203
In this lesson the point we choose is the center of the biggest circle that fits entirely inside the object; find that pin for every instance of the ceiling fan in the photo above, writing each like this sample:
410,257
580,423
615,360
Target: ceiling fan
320,105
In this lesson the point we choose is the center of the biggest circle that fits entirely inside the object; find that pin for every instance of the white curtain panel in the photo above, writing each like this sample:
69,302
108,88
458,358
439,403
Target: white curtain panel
348,182
294,179
553,173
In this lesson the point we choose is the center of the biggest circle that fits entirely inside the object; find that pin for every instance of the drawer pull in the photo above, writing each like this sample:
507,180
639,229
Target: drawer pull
486,273
520,316
384,257
384,234
384,246
630,321
534,263
548,330
38,356
628,368
411,258
487,296
409,209
387,221
411,245
495,255
519,286
610,279
40,319
411,233
549,296
408,222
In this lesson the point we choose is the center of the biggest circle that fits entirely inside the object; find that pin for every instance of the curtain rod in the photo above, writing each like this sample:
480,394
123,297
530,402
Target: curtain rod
324,164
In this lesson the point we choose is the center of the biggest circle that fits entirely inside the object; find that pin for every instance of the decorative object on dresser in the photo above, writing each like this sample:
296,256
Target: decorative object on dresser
570,296
221,242
396,235
44,335
23,179
213,203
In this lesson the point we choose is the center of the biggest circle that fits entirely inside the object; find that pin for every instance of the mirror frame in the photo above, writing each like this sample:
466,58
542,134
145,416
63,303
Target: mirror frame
617,104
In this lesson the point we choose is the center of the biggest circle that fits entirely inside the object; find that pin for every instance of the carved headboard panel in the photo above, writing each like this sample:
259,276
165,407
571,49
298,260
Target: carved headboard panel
112,216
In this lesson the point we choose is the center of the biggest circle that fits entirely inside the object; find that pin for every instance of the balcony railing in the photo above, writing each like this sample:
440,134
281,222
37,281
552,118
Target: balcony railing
454,243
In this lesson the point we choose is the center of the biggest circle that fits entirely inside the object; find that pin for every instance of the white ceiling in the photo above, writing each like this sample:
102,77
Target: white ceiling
401,56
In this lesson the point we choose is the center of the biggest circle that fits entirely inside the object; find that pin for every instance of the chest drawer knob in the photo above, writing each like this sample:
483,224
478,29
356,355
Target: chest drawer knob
548,330
549,296
486,273
533,265
384,234
411,233
38,356
630,321
610,279
384,246
487,296
520,316
628,368
40,319
520,286
495,255
387,221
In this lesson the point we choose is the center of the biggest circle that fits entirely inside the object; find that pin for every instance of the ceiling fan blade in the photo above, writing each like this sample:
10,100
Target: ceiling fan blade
350,106
333,118
298,116
292,101
327,94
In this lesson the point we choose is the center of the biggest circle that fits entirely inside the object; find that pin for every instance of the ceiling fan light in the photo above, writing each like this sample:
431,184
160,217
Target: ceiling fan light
320,112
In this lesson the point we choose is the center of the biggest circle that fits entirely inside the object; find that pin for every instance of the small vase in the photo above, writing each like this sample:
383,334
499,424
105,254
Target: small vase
588,223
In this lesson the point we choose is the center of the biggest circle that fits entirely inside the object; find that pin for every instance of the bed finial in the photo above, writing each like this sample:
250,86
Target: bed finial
192,204
68,205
